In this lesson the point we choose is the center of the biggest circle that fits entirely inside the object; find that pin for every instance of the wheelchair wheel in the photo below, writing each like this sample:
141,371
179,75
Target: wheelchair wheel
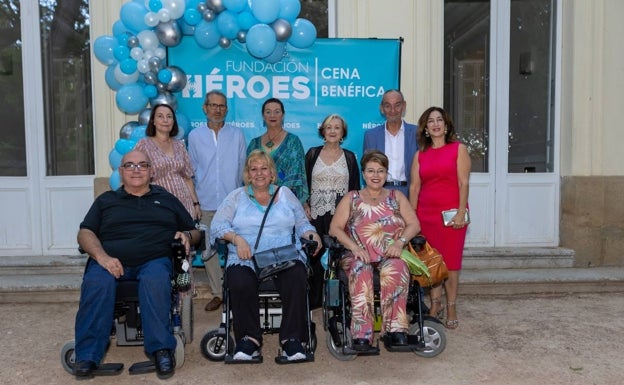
336,350
68,356
186,316
435,338
213,345
179,350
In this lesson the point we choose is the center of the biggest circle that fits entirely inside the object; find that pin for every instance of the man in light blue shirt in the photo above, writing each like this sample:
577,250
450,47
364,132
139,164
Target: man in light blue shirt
218,154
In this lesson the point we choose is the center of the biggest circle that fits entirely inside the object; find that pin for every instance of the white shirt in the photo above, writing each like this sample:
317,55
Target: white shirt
395,151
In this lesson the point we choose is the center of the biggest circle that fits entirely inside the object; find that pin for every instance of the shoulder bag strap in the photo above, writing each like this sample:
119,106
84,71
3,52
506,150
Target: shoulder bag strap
264,218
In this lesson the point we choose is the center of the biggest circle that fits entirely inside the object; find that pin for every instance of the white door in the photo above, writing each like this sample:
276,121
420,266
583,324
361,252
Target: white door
46,154
501,88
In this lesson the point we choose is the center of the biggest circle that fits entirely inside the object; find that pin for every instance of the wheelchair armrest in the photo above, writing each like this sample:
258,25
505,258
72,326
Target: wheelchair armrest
308,246
332,243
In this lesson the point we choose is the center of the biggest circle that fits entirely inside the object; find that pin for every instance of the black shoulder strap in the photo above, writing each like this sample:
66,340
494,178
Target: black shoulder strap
265,216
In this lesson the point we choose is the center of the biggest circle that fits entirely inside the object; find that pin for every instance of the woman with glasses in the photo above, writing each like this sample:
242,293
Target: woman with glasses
374,224
171,165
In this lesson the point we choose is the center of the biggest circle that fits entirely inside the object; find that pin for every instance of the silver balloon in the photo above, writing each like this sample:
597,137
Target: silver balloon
216,5
154,63
144,116
150,77
169,33
241,36
126,129
282,29
133,41
224,42
161,87
202,7
209,15
165,98
178,79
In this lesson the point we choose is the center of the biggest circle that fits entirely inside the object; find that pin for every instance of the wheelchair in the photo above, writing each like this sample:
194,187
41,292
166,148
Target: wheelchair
426,336
127,328
218,344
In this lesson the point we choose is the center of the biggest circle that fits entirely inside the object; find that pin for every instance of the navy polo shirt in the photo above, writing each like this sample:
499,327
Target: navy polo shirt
137,229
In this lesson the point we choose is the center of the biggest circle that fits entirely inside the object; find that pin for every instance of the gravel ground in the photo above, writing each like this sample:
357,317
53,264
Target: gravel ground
572,339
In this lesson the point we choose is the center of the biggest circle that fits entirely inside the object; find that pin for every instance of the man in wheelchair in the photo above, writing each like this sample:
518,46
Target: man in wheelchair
128,234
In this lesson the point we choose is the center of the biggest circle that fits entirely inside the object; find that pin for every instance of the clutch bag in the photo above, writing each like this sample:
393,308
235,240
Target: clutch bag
447,216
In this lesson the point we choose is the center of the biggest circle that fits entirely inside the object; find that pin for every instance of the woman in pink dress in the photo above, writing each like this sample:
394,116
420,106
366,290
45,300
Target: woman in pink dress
440,173
171,165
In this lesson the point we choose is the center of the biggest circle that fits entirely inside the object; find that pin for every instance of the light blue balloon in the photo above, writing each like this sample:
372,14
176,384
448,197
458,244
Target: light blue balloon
104,48
207,34
119,27
235,5
115,180
121,52
266,11
124,146
303,34
132,14
246,20
114,159
186,29
155,5
128,66
131,99
150,91
277,54
261,40
138,133
164,75
192,16
227,23
289,9
109,76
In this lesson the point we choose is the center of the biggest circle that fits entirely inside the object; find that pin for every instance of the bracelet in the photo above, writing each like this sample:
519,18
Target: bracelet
195,203
188,234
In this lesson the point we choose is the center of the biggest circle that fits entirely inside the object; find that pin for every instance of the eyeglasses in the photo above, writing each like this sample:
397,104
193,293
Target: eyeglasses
142,166
379,171
215,106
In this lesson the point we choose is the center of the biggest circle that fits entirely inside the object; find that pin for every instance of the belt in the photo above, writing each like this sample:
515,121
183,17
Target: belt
395,183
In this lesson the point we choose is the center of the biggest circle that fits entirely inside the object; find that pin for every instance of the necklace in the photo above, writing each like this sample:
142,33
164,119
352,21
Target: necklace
371,195
271,142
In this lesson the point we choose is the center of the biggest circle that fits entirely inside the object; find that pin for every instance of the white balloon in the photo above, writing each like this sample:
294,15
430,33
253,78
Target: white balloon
176,8
142,66
148,53
123,78
160,53
151,19
164,15
148,40
136,53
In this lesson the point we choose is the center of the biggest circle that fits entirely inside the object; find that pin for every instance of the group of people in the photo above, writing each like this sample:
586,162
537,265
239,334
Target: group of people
411,174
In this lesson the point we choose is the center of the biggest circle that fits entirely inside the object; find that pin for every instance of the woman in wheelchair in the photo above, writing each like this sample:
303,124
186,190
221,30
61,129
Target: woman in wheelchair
374,225
238,220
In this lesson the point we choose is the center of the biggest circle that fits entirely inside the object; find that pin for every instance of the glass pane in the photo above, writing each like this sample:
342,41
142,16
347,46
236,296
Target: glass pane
67,87
12,129
531,92
466,74
316,12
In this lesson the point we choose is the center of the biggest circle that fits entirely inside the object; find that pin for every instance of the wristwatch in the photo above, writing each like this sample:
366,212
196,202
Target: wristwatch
402,239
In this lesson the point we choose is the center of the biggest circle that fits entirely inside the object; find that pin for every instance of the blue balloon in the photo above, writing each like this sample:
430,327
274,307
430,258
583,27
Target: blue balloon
115,180
207,34
155,5
165,75
103,49
261,40
277,54
150,91
235,5
131,99
246,20
119,27
114,159
138,133
124,146
192,16
227,23
266,11
132,14
128,66
121,52
183,122
303,34
289,10
109,76
122,38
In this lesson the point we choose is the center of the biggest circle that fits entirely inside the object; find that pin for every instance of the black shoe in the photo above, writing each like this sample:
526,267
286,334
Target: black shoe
84,369
398,338
361,344
293,350
165,363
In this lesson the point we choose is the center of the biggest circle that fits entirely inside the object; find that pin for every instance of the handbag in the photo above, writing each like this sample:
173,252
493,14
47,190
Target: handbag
272,261
447,216
432,258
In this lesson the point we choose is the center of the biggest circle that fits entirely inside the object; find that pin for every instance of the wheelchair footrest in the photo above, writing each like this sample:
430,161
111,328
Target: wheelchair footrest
402,348
142,367
108,369
282,360
229,359
371,351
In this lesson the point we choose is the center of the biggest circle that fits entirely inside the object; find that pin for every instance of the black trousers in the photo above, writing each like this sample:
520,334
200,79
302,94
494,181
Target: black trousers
242,283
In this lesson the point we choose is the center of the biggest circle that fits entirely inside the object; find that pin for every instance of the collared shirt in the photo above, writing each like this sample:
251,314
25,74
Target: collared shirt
218,162
395,151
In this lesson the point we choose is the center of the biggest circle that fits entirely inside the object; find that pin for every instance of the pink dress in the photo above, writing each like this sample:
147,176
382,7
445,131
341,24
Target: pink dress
439,190
170,172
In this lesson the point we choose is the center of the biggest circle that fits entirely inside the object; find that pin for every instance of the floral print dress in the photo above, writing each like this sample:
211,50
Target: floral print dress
373,228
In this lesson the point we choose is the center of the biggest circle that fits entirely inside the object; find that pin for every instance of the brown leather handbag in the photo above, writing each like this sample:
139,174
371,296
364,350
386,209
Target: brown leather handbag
438,272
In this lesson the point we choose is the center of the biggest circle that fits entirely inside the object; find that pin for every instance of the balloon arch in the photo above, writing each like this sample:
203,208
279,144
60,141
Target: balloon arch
136,56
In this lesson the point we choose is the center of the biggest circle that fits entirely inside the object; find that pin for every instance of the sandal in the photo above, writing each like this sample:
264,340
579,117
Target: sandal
436,302
452,323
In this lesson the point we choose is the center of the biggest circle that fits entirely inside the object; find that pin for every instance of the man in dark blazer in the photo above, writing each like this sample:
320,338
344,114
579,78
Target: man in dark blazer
395,138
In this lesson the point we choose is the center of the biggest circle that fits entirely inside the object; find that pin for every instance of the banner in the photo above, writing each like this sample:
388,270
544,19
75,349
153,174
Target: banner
343,76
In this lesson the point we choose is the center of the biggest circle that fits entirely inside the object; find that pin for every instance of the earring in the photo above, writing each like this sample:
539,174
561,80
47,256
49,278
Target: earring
341,140
426,133
324,140
445,131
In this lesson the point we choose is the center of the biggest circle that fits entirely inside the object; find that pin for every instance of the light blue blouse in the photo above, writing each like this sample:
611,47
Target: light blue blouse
238,213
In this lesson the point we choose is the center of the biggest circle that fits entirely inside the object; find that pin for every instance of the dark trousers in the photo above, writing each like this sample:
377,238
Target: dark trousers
242,283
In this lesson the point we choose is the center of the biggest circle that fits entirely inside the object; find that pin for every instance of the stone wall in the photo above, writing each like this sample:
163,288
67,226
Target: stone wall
592,219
